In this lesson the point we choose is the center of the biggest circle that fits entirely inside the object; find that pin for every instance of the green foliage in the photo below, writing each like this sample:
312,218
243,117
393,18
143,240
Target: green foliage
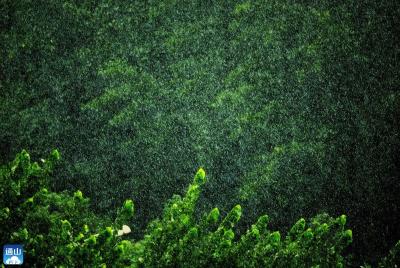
58,230
393,258
283,101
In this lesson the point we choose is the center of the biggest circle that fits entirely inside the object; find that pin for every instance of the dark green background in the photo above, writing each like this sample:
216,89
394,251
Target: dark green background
292,107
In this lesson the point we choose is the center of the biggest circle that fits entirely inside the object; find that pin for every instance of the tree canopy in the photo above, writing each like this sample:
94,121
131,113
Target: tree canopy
292,107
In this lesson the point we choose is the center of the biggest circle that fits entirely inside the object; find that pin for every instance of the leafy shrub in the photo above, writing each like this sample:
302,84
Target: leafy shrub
58,230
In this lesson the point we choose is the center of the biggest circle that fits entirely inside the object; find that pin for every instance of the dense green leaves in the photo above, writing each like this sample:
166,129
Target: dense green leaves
57,229
292,106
